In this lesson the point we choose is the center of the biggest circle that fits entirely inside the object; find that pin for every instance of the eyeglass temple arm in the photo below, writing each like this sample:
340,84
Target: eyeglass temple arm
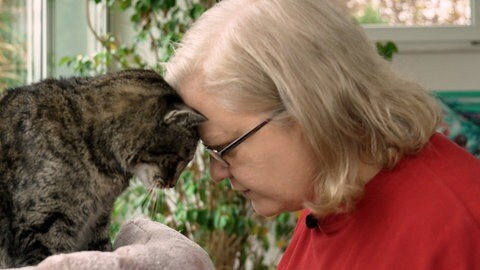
243,137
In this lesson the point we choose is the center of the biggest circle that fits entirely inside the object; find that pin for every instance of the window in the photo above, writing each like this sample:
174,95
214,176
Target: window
13,43
36,34
418,20
69,33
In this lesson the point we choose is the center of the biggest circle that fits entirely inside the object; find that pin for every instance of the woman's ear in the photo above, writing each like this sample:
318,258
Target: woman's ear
184,116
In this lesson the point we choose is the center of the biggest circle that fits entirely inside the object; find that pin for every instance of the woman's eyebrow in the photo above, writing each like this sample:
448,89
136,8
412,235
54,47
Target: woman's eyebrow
216,142
217,147
208,140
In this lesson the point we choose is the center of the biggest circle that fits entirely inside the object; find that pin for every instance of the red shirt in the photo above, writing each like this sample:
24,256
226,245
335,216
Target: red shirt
423,214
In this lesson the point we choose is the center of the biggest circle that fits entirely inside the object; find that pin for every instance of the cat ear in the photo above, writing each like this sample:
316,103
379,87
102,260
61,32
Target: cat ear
184,117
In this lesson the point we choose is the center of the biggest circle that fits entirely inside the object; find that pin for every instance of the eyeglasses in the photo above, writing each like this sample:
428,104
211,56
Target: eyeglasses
218,155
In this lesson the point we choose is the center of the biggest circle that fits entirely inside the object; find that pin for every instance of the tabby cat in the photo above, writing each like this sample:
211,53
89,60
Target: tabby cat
68,148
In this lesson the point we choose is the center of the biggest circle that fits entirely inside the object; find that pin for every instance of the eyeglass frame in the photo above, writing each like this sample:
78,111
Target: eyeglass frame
218,154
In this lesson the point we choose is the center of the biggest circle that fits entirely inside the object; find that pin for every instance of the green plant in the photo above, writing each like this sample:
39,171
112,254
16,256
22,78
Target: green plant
159,25
370,15
211,214
387,49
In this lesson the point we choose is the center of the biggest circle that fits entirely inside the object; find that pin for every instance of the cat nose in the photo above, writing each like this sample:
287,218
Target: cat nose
218,171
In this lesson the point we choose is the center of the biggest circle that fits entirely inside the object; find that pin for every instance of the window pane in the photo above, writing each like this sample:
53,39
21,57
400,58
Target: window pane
69,34
13,46
411,12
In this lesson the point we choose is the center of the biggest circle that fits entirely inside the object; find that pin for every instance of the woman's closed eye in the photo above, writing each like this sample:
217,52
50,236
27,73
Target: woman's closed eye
217,147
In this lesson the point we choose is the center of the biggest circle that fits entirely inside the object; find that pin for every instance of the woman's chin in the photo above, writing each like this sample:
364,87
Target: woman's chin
266,210
271,209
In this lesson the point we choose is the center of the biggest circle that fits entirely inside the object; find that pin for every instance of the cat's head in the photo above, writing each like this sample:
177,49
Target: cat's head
141,121
173,145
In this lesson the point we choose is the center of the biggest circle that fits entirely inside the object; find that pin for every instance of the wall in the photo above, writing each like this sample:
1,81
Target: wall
449,67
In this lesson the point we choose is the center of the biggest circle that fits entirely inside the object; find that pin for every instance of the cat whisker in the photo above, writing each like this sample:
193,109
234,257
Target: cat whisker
152,197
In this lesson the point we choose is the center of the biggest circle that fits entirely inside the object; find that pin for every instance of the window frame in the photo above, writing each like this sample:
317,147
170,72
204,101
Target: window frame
39,35
410,34
36,40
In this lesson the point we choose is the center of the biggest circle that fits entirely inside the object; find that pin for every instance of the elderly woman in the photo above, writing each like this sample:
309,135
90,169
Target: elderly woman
303,114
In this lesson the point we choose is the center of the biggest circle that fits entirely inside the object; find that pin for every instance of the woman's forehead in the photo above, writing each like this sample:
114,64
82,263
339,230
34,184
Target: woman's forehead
221,123
212,133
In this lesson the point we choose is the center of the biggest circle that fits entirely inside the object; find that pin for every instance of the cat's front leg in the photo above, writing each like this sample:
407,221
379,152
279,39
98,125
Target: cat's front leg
34,242
101,236
6,237
5,245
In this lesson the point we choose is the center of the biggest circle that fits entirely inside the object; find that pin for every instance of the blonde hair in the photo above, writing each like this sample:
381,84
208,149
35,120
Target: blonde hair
315,62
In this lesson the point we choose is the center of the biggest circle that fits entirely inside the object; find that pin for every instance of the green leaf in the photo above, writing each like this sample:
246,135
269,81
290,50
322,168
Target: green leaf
283,218
125,4
222,222
168,4
191,190
387,49
135,18
65,60
196,11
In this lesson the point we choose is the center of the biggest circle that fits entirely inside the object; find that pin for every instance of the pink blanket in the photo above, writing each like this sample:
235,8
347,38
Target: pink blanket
141,244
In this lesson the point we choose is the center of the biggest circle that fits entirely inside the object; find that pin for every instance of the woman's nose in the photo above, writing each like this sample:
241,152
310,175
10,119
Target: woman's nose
218,171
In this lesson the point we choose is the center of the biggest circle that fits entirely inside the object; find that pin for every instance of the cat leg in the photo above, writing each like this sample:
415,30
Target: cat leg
5,260
43,235
5,229
101,235
5,240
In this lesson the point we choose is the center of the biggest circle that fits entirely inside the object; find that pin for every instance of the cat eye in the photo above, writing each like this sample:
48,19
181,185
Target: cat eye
218,155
